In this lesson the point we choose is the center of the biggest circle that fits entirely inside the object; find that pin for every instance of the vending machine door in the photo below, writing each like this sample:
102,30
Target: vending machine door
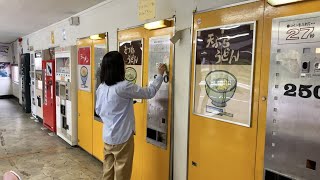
49,105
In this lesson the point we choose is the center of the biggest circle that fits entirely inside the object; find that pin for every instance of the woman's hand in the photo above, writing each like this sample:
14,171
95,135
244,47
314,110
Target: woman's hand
162,68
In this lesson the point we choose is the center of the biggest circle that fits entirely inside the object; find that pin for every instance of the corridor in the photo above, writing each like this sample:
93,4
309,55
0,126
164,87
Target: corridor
33,154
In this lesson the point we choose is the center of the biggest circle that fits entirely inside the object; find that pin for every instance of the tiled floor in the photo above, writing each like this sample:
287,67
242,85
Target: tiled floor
33,154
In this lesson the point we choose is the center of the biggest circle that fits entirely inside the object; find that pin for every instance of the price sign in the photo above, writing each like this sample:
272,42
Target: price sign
300,30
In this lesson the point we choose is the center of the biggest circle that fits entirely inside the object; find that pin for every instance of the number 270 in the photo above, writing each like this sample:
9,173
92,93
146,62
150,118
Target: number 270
294,34
304,91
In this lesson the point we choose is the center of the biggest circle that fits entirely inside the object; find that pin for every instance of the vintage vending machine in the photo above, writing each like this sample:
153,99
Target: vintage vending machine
25,82
293,128
38,85
32,84
66,94
49,99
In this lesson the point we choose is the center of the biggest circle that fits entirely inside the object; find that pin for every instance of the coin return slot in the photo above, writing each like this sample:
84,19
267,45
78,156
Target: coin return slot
152,134
273,176
311,164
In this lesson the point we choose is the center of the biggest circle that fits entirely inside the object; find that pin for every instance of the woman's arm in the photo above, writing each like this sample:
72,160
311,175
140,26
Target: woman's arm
134,91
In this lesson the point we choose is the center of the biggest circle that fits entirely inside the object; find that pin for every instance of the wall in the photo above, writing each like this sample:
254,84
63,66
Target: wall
5,83
112,15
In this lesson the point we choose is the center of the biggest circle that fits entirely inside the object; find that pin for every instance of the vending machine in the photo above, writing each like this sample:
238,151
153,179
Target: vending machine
25,82
66,94
38,86
49,100
32,84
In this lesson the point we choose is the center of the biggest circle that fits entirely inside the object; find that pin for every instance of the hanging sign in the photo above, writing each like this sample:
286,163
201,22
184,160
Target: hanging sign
52,37
147,9
84,69
132,52
224,73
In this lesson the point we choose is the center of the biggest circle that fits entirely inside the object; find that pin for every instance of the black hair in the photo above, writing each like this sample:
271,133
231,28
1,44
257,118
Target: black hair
112,68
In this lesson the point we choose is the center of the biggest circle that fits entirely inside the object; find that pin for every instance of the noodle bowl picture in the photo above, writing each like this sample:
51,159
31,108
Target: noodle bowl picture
220,87
84,76
131,74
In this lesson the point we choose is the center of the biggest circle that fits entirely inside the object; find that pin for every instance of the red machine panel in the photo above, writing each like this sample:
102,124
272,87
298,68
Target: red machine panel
49,99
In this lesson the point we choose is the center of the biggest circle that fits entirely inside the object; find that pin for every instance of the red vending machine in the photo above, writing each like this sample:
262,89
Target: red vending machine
49,98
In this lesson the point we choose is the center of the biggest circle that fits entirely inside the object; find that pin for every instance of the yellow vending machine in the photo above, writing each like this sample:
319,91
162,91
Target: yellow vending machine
143,48
224,95
66,94
90,53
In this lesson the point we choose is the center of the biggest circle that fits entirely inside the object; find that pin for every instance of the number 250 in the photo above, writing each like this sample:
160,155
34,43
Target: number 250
304,91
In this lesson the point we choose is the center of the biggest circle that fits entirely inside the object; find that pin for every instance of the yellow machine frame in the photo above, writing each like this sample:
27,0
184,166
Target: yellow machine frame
150,162
89,129
219,150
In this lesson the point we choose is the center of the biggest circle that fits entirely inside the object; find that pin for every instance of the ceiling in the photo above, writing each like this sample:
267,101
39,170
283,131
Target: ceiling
22,17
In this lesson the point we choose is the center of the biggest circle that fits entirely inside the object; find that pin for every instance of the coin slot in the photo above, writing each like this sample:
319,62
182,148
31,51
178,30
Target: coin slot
311,164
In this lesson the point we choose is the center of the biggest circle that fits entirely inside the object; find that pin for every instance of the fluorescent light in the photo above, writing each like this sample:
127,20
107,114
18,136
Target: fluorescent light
157,24
200,40
235,36
281,2
98,36
230,27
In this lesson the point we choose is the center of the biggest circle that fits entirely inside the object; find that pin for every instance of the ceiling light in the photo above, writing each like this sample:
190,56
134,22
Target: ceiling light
98,36
281,2
157,24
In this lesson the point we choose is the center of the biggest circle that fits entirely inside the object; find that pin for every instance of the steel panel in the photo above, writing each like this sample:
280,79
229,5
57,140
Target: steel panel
293,126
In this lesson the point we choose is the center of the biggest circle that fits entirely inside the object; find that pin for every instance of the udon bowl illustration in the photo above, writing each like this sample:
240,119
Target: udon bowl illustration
131,74
84,75
220,87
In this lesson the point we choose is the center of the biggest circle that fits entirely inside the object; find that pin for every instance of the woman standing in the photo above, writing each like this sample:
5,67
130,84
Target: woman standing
115,107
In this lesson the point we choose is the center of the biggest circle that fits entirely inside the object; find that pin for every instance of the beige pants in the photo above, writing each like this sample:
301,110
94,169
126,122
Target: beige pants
117,164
